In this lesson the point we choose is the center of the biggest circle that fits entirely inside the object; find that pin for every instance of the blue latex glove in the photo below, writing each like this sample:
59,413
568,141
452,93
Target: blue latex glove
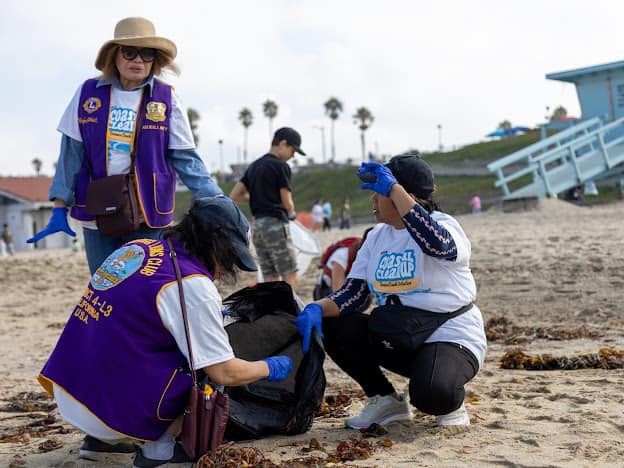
279,367
310,317
381,178
57,223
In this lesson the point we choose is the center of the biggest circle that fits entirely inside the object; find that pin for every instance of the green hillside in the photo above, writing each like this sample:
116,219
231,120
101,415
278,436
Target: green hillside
453,193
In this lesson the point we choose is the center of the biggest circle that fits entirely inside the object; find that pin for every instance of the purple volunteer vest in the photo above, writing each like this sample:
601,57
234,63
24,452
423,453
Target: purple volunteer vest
155,178
115,355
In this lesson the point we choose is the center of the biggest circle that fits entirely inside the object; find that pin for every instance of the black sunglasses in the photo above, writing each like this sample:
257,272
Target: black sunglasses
130,53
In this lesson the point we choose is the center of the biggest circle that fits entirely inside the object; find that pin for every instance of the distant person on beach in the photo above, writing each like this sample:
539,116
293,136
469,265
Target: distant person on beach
345,213
119,371
317,215
475,204
267,187
327,215
100,138
416,262
7,239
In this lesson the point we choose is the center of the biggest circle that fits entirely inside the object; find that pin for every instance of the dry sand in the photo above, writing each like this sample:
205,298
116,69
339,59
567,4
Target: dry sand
558,267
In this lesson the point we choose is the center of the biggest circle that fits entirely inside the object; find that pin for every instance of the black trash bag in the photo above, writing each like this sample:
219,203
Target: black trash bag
265,327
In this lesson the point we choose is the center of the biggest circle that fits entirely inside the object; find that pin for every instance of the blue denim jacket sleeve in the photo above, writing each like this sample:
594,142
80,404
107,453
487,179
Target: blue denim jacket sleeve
67,169
193,173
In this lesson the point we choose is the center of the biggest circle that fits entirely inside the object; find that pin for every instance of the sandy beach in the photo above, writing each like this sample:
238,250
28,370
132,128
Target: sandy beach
555,274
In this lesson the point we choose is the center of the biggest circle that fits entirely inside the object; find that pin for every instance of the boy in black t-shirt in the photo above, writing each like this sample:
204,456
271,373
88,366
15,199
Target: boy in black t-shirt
267,187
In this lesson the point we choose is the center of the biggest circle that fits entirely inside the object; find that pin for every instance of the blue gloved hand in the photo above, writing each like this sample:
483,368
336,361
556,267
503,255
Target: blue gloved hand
279,367
377,177
57,223
310,317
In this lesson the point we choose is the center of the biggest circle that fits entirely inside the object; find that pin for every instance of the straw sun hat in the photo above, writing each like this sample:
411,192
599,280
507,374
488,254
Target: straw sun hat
138,32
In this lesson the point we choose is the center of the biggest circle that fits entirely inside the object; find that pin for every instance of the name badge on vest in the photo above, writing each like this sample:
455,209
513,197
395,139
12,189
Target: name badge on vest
156,111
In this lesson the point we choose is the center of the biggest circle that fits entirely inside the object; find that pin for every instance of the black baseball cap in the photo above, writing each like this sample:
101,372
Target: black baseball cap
224,214
291,136
414,174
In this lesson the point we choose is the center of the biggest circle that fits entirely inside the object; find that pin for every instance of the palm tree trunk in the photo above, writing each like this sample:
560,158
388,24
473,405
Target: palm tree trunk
363,147
333,142
270,128
245,147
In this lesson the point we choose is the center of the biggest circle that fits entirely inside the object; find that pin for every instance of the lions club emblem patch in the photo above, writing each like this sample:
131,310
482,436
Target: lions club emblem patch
91,105
117,267
156,111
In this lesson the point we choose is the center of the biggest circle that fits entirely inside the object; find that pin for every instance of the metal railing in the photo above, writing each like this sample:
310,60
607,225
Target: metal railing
563,148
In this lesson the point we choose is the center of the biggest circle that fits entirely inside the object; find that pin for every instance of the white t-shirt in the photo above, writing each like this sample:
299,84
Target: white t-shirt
208,338
339,256
392,263
317,213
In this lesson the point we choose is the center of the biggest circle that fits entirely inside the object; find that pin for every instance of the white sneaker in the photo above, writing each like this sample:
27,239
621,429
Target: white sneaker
459,417
380,410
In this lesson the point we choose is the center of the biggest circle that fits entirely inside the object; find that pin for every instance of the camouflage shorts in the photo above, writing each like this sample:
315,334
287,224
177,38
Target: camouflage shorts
274,247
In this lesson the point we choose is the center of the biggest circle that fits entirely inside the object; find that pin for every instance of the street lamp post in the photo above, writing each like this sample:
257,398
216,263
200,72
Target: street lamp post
440,147
322,129
221,156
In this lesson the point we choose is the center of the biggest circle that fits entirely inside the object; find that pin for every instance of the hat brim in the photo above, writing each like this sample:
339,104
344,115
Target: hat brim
162,44
245,260
299,150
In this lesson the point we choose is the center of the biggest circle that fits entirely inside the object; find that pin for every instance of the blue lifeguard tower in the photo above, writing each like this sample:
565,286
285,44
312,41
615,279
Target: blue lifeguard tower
590,150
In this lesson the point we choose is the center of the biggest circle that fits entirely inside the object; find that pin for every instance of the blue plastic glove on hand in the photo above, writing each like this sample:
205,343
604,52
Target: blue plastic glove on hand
57,223
310,317
279,367
381,176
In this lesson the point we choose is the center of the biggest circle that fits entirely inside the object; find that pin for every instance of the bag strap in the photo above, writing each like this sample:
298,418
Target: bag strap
176,267
138,125
393,299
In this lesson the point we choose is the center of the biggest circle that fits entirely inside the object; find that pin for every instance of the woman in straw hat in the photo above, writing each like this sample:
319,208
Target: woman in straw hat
100,133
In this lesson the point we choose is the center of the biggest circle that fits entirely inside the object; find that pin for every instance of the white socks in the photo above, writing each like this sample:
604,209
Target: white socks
161,449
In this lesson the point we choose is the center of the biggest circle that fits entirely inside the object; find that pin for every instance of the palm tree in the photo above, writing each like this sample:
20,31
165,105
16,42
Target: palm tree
37,163
363,119
504,125
333,108
559,113
193,117
269,108
246,119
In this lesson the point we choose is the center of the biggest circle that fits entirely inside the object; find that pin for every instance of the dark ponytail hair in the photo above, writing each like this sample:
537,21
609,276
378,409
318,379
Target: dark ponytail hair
208,244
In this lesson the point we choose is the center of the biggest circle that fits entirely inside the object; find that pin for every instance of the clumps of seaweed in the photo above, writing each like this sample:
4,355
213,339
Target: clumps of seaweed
605,358
40,422
228,456
500,328
335,405
29,402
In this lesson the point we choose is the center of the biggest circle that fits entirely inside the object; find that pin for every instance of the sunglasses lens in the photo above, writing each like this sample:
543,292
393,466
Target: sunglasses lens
148,54
130,53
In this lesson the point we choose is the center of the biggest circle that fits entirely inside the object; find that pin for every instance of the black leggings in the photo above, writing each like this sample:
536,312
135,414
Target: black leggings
437,371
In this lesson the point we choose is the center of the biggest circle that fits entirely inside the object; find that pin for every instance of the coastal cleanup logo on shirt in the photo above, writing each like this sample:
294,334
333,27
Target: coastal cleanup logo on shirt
117,267
396,272
156,111
91,105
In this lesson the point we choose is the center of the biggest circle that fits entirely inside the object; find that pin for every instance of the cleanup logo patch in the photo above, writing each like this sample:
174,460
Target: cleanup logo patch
117,267
396,272
156,111
91,105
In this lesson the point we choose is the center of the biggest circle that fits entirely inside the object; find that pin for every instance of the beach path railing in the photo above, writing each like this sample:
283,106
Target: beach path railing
587,151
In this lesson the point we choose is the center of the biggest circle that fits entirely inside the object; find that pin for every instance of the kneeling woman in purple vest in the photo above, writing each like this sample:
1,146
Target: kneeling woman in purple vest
119,371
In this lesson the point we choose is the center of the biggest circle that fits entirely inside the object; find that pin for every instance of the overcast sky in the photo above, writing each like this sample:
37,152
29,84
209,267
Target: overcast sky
415,65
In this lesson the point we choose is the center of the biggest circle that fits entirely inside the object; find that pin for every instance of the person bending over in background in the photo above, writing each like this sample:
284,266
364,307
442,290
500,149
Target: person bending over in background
416,262
117,371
